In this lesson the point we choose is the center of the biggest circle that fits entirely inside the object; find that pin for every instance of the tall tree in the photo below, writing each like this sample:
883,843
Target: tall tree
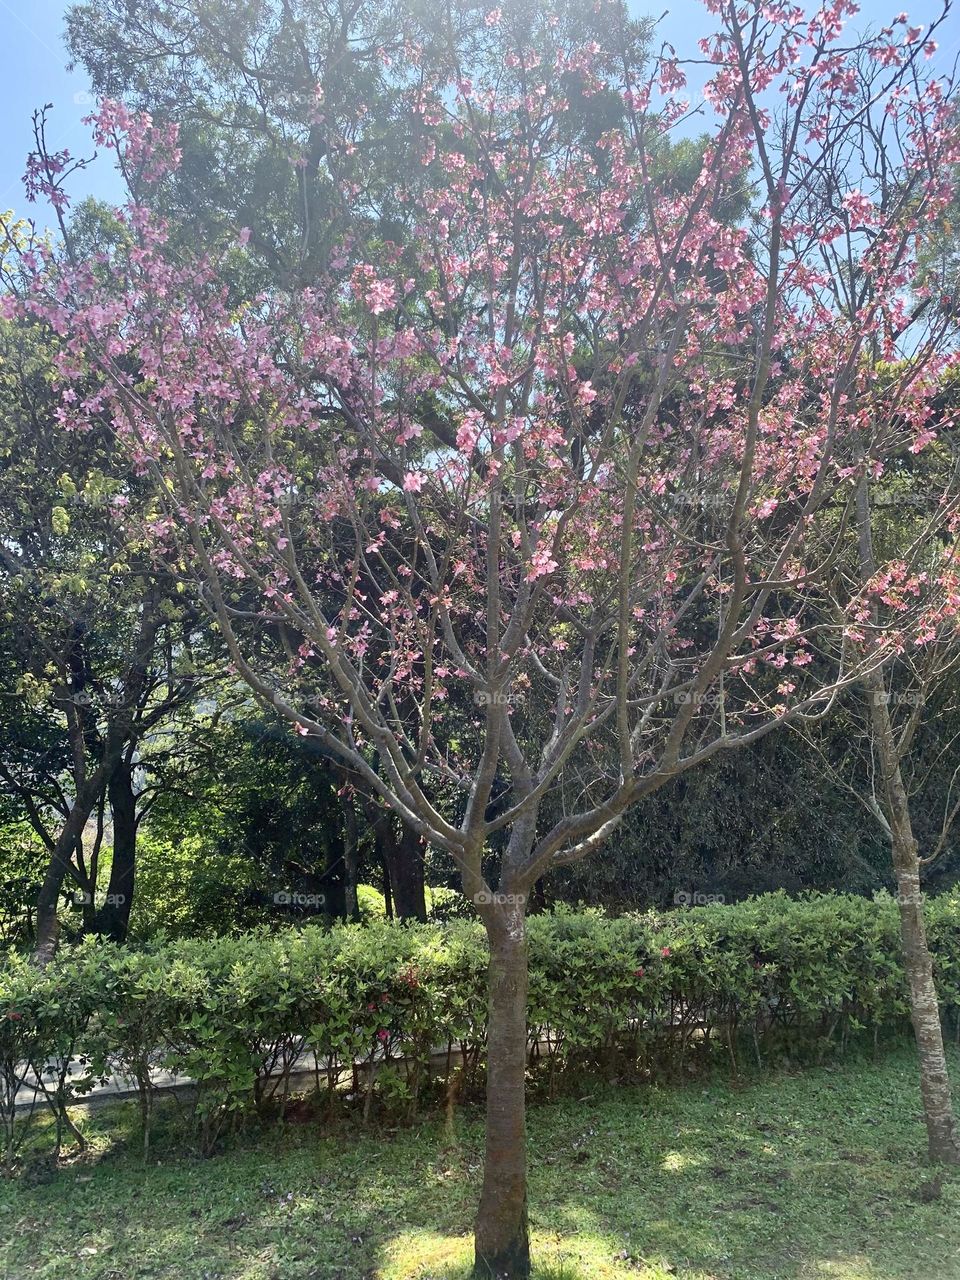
904,554
464,599
883,587
94,636
293,123
292,118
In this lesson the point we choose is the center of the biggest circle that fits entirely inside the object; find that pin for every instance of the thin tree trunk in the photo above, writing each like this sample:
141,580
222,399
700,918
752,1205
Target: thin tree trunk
387,894
502,1244
925,1011
48,925
917,962
350,859
88,881
113,918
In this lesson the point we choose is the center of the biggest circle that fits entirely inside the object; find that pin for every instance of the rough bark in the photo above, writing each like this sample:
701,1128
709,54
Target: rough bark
331,880
405,856
924,1005
502,1245
935,1091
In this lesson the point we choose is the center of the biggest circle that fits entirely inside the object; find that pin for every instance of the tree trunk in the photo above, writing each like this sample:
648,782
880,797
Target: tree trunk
48,928
402,859
924,1006
387,895
88,886
113,918
917,961
407,875
351,860
502,1245
925,1011
333,876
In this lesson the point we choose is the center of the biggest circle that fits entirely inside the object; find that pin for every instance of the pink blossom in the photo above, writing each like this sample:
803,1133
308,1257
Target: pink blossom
860,209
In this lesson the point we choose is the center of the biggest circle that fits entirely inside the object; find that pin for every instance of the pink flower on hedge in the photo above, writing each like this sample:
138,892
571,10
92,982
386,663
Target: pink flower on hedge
383,1035
638,973
14,1016
664,951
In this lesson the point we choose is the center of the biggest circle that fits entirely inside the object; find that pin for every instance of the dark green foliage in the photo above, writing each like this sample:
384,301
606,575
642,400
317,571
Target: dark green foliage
754,821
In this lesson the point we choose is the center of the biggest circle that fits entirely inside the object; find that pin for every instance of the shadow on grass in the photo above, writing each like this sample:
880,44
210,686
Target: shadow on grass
813,1176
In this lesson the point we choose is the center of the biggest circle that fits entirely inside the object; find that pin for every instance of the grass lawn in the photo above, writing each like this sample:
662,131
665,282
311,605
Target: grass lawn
809,1176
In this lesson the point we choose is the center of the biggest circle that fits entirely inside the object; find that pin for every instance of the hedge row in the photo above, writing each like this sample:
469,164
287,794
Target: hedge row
371,1004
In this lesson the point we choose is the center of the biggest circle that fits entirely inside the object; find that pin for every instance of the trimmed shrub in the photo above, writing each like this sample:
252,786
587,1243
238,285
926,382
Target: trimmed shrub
396,1009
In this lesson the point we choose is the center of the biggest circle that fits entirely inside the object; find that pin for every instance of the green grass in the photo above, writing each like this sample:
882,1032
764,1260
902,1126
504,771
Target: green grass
809,1176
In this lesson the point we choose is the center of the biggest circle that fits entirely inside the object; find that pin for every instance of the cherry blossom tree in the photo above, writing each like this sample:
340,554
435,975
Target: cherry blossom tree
903,586
547,489
901,576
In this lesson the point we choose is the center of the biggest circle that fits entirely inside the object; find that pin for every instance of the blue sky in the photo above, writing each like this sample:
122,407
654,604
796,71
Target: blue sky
33,71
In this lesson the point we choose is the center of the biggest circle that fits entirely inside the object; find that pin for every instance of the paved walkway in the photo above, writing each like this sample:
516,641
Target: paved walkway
118,1086
115,1086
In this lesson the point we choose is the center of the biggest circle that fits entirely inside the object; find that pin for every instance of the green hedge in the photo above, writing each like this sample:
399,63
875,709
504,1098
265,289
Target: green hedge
370,1004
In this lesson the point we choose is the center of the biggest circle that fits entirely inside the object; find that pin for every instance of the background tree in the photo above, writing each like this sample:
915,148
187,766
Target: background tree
95,638
292,118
